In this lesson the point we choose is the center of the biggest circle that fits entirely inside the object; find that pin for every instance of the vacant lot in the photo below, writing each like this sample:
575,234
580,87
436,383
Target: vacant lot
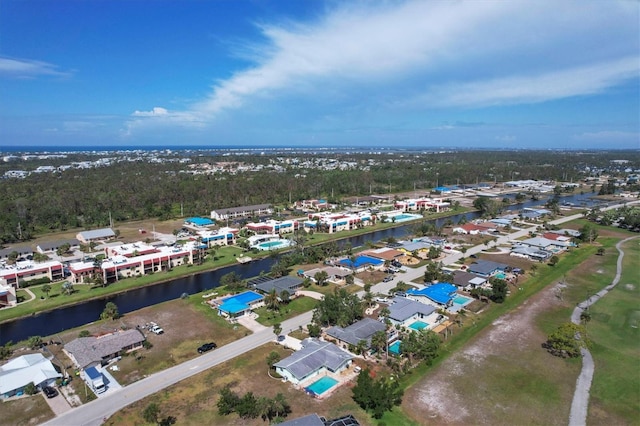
13,412
492,380
193,401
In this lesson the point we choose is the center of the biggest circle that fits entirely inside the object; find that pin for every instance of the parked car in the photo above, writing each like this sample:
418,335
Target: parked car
156,329
49,391
207,347
281,338
387,278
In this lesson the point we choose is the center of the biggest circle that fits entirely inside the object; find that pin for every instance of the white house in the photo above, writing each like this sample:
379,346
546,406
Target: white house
16,374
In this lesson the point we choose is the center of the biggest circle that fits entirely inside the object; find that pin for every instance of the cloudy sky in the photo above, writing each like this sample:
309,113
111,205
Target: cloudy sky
437,73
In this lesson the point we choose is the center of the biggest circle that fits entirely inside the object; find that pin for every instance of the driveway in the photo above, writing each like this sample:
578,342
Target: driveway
58,404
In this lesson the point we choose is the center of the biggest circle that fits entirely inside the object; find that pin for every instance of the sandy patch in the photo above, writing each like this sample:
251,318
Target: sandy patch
437,400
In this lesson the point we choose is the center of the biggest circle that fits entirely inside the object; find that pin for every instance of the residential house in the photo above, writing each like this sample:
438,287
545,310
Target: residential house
91,351
314,359
239,305
530,253
570,232
335,222
404,312
335,274
438,295
82,272
287,283
386,254
19,372
316,420
467,281
487,268
359,331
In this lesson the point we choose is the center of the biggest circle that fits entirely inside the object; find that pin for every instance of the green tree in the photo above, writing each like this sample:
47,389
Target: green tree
151,413
499,289
553,261
379,341
277,328
271,300
67,288
588,233
567,340
272,358
30,389
63,249
110,311
228,401
6,350
338,308
232,281
600,251
34,342
321,278
376,396
46,289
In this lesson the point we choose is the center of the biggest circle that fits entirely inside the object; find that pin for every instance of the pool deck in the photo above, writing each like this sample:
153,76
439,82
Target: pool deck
343,377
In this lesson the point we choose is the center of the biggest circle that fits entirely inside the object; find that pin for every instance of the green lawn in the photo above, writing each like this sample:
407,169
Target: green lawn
290,310
615,391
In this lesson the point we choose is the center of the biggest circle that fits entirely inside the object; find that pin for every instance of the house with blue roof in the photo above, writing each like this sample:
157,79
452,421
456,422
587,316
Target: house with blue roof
441,294
240,304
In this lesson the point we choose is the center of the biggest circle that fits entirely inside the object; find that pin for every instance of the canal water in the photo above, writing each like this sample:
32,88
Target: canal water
49,323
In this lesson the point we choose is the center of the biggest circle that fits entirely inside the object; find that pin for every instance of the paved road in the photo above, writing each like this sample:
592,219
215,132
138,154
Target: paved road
93,412
580,403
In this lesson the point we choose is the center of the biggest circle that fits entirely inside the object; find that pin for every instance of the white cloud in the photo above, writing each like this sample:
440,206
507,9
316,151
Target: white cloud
416,55
609,135
26,68
585,80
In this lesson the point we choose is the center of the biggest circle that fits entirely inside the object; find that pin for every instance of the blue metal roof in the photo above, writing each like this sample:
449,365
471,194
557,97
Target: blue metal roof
441,293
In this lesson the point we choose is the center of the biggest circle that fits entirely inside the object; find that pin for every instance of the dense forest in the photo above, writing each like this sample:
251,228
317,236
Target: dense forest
84,198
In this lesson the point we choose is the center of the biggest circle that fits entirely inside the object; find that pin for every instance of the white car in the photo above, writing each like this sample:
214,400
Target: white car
156,329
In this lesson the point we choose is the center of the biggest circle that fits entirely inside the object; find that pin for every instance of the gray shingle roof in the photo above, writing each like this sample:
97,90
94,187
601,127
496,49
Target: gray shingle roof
89,350
462,278
52,245
361,330
97,233
242,209
402,309
486,266
313,356
281,284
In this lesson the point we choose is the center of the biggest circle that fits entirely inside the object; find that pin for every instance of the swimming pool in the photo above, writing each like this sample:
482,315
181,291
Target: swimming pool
394,348
403,217
501,275
274,244
462,300
322,385
418,325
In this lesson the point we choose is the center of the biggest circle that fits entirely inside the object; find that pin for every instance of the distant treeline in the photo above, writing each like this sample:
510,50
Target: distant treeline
80,198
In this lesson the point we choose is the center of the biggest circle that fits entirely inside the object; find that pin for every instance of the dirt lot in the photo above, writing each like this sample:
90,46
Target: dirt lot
492,380
186,323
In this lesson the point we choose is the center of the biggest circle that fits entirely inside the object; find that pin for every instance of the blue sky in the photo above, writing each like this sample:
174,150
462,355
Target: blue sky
478,74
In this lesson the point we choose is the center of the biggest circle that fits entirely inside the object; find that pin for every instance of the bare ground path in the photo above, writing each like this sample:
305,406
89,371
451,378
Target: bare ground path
580,403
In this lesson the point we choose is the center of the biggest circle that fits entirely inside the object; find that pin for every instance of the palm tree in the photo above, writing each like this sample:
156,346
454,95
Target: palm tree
277,328
271,300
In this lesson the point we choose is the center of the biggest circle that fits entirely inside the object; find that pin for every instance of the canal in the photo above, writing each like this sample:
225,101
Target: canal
51,322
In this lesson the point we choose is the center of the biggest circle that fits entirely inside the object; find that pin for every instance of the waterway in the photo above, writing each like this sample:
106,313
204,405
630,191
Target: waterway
52,322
